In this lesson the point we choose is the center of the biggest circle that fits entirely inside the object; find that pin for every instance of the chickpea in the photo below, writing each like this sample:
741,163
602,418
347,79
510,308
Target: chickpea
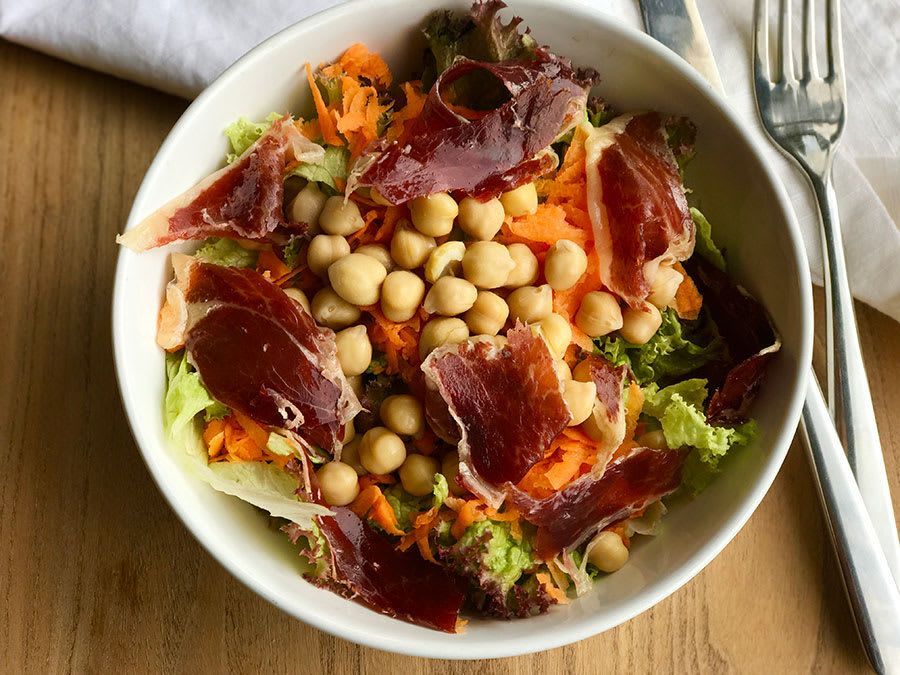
526,266
331,310
350,456
433,215
354,351
325,249
340,216
487,264
566,263
450,296
530,304
563,372
338,482
664,287
380,253
450,469
349,432
409,247
557,333
443,331
299,297
653,439
381,451
639,325
445,260
403,414
307,206
520,201
579,398
481,220
488,315
401,295
357,278
599,314
607,552
417,474
497,341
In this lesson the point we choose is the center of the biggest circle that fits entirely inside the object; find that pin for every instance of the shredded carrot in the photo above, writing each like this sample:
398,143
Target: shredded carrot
310,129
423,523
326,122
571,454
688,300
548,225
551,590
398,341
238,439
360,114
372,503
415,102
357,61
271,263
468,514
376,479
568,302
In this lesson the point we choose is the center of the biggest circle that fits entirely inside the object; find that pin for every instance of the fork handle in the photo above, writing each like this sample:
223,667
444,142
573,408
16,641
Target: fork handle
873,594
849,398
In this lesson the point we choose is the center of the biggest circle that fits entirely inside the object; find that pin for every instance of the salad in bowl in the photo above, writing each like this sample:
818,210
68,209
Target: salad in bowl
461,336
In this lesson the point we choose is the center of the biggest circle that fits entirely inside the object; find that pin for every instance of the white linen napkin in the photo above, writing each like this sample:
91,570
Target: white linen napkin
180,46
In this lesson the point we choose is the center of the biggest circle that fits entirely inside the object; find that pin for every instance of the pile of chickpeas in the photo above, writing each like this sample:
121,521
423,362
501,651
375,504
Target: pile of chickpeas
469,288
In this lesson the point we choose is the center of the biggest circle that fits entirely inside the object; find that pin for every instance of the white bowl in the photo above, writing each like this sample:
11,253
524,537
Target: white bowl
738,192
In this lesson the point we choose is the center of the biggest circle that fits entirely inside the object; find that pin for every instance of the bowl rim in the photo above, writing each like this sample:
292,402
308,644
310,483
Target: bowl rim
587,627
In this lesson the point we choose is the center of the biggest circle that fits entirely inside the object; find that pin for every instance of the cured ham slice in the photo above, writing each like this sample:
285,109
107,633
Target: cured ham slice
606,425
507,402
366,566
257,351
486,152
748,332
244,199
567,518
636,203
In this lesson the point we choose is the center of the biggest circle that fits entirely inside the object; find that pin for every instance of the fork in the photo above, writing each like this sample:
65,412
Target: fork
805,116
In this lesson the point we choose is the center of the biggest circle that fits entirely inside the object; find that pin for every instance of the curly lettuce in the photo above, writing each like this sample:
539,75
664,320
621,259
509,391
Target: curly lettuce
679,410
333,168
242,133
668,355
407,506
226,252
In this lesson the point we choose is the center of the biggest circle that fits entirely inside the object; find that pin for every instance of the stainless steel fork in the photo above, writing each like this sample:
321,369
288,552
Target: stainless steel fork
805,116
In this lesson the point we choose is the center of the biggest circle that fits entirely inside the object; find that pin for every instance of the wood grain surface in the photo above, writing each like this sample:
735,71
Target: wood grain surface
98,575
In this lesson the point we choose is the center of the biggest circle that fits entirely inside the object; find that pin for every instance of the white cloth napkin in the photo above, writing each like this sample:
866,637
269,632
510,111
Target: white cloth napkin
180,46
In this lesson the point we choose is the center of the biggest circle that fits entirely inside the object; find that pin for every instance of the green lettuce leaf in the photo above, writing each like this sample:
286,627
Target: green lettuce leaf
226,252
291,252
243,133
186,396
684,424
705,247
440,492
657,400
490,546
666,356
405,505
334,166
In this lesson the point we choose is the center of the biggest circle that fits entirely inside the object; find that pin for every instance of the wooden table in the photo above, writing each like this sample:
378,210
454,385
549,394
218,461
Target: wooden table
96,572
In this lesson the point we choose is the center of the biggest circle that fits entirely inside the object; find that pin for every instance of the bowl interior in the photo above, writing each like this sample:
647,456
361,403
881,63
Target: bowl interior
735,189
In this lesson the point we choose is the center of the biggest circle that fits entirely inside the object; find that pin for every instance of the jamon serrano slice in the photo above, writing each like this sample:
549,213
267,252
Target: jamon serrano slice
366,566
748,332
257,351
568,517
486,152
507,402
244,199
606,425
636,203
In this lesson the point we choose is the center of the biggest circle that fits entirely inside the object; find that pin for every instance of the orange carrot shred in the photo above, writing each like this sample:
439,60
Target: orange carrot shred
688,301
326,123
